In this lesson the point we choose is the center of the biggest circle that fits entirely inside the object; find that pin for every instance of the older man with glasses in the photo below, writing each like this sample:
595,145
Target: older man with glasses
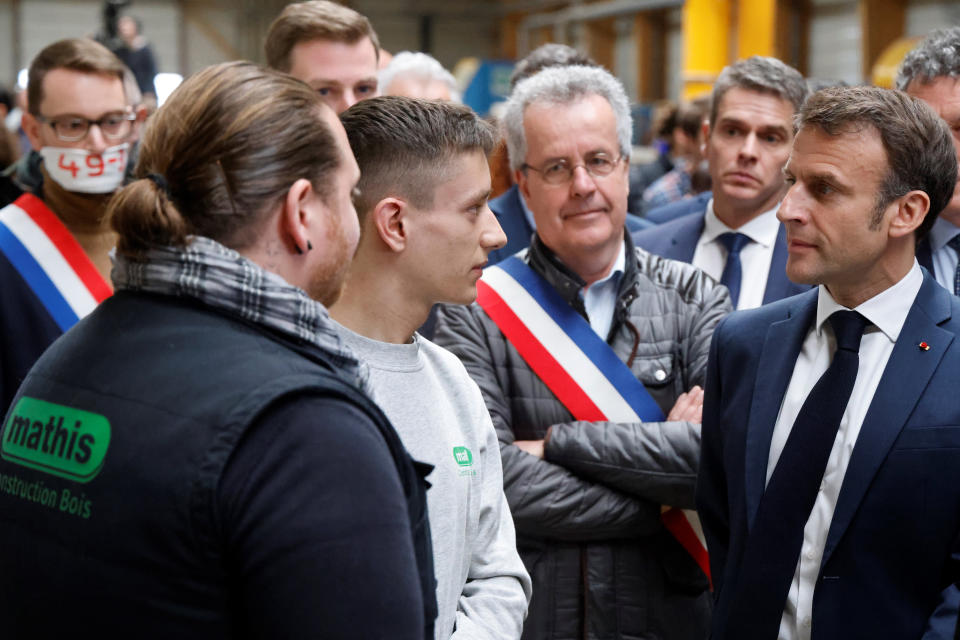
589,353
54,238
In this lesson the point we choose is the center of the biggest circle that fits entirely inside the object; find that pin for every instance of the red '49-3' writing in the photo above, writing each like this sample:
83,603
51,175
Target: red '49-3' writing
95,164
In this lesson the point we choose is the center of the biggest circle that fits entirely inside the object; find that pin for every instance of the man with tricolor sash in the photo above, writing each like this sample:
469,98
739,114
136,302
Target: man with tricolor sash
589,353
54,239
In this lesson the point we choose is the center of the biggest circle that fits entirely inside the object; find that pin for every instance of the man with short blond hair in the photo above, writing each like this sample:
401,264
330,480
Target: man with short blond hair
329,46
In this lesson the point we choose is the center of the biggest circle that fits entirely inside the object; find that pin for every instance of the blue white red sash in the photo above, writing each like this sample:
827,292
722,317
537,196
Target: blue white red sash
50,261
576,364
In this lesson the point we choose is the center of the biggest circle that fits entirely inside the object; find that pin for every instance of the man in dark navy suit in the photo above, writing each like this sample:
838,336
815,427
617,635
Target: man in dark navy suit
829,483
733,235
931,72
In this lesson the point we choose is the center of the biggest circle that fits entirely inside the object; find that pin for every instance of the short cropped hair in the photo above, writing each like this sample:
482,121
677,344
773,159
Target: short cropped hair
418,64
764,75
314,20
403,146
938,55
563,86
919,148
76,54
546,56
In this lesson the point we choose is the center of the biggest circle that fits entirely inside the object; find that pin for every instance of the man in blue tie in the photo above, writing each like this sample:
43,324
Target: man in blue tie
829,487
931,72
735,236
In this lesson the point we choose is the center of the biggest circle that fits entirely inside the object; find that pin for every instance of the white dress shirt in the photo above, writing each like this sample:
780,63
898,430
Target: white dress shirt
710,255
600,298
944,258
887,311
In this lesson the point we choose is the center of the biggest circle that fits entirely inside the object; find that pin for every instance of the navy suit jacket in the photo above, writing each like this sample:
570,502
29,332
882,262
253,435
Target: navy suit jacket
892,557
680,208
509,212
678,239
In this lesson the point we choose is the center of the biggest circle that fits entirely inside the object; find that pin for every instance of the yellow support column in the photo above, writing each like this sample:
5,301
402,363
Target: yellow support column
756,28
706,48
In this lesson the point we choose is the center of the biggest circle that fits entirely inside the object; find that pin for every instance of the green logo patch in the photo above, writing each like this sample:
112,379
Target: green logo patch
463,456
56,439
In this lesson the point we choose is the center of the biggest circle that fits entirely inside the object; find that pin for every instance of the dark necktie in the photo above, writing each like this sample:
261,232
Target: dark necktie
955,245
732,271
773,546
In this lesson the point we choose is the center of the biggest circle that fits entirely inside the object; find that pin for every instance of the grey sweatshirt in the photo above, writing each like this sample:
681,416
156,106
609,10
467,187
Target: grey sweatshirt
482,586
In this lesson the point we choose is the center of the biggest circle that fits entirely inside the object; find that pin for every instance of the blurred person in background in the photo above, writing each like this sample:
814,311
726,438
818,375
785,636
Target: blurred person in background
677,183
330,47
138,56
417,75
213,466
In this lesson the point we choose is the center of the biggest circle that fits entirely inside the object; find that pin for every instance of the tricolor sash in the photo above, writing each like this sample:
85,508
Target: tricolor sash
50,261
576,364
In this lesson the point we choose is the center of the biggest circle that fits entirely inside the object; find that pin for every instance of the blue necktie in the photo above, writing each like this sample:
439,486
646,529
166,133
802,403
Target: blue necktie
773,547
955,245
732,271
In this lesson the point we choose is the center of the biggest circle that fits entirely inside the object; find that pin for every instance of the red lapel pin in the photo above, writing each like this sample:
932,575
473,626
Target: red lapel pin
924,346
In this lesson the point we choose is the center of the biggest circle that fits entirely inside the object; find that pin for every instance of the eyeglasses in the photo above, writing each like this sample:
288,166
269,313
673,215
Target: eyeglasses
114,126
597,165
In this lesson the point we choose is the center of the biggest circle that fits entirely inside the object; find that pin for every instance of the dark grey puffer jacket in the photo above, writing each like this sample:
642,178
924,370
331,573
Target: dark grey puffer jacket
588,518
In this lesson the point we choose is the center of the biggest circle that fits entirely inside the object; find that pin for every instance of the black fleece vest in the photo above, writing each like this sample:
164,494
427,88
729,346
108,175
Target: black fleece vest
173,424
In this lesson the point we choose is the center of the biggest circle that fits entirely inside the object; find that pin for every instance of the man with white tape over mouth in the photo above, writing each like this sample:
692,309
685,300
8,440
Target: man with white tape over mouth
55,239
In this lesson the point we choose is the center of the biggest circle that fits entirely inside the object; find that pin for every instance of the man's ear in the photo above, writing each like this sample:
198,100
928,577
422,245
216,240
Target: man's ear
912,208
298,221
31,126
389,220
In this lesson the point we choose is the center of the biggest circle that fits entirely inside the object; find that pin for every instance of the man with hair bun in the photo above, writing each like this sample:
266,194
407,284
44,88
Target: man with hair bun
200,455
830,475
55,238
425,235
931,72
329,46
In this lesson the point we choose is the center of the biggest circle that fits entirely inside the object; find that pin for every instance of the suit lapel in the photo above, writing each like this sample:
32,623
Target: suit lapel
685,238
777,359
906,376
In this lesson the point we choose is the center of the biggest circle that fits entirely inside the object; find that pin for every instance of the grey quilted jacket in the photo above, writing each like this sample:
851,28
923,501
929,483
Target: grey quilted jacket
588,517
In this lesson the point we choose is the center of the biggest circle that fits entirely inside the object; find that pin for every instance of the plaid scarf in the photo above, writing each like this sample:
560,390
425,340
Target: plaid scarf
207,271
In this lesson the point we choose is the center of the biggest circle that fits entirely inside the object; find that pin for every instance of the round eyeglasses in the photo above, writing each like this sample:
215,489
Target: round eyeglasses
561,171
114,126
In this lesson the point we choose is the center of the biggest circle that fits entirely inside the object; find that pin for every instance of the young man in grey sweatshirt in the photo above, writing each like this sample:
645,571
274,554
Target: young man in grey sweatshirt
426,232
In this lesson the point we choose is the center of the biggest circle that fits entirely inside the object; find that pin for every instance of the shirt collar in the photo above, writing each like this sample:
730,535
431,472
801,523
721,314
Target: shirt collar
941,233
763,229
887,310
618,267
